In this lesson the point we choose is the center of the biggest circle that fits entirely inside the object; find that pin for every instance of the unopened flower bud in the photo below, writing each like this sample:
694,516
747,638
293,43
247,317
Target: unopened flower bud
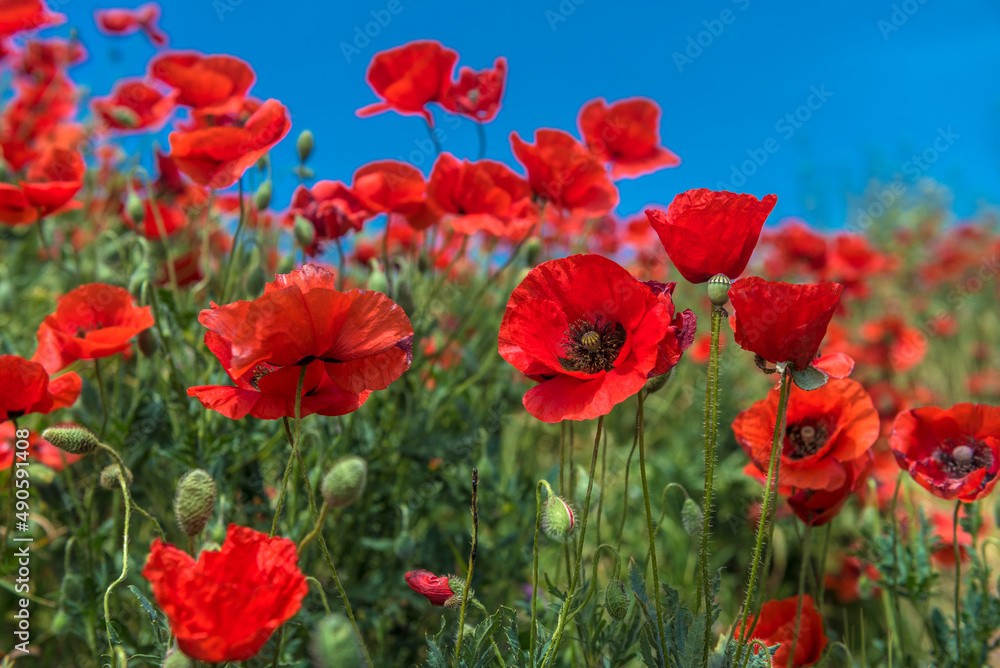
691,517
656,383
558,519
616,600
194,502
262,198
718,289
334,644
286,264
60,623
304,145
73,439
439,590
147,343
111,474
304,232
256,281
125,117
176,659
532,251
345,482
134,207
377,280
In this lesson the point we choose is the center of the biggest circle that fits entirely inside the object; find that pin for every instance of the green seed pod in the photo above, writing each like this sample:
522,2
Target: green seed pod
71,590
718,289
304,145
334,644
377,280
147,343
176,659
558,519
345,482
125,117
532,251
262,198
616,600
691,517
256,281
194,502
134,207
73,439
111,474
656,383
304,232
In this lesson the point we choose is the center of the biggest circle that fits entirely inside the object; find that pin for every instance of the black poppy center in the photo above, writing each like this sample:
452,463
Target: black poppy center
805,438
592,346
959,458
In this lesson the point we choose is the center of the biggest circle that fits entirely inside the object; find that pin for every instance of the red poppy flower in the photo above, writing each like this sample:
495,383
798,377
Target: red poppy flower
410,77
128,21
437,589
565,173
25,387
891,344
212,84
626,135
44,58
680,334
825,430
134,106
90,322
218,156
363,338
707,233
853,580
477,94
782,322
21,15
390,186
35,117
482,195
332,208
267,392
171,219
38,450
795,248
953,453
777,626
52,180
853,262
225,606
586,331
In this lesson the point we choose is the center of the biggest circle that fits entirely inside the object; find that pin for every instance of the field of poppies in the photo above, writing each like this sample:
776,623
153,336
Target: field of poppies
467,417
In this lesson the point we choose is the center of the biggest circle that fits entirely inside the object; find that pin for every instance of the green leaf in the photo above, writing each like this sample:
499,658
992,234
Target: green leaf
809,378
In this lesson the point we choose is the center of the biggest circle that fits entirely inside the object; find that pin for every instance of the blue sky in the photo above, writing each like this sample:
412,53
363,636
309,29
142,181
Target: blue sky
884,81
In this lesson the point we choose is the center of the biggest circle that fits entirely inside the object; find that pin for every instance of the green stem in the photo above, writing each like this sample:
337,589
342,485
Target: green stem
821,579
295,450
128,516
773,465
100,392
711,432
534,558
236,244
650,530
564,611
472,564
803,567
958,585
628,466
316,528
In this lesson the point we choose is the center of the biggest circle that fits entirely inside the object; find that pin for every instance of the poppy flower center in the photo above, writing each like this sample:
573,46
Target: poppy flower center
959,459
804,439
259,372
591,347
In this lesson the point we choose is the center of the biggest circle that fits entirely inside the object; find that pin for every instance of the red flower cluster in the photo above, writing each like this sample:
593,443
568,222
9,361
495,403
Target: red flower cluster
590,334
128,21
206,601
52,180
776,625
626,135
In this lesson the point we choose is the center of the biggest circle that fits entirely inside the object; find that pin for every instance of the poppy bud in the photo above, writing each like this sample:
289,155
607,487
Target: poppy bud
377,280
262,198
656,383
345,482
616,600
334,644
71,590
125,117
111,474
286,264
304,232
439,590
404,545
691,517
256,281
60,623
532,251
303,172
147,343
73,439
558,519
718,289
134,207
304,145
194,502
176,659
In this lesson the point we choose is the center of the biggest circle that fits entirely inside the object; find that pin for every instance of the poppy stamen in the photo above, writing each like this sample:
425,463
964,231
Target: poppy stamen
959,460
591,347
259,372
804,439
